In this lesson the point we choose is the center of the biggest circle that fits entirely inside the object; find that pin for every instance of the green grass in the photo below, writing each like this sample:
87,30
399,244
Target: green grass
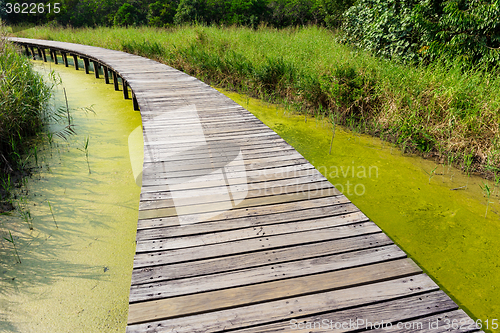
439,111
23,97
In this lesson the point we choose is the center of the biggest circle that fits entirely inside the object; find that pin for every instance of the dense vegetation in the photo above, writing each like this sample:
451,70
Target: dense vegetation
427,30
437,109
161,13
23,96
443,101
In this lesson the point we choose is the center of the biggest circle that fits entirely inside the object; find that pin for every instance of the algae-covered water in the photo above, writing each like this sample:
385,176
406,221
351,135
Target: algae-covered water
423,206
74,277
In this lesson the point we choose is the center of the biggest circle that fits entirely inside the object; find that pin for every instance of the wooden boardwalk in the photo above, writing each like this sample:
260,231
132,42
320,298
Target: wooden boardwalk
238,232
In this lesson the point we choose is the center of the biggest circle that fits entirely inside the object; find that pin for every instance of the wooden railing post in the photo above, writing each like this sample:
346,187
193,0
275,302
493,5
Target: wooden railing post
134,101
125,89
65,58
32,53
115,81
75,60
96,69
44,56
86,64
106,74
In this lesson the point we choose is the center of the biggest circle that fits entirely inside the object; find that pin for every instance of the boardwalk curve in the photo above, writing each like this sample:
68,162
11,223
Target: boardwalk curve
237,231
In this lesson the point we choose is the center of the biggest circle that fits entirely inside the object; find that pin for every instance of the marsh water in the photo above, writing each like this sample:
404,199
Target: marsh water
74,277
433,211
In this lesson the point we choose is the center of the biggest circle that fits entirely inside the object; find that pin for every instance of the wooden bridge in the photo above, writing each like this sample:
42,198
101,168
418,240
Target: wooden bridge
238,232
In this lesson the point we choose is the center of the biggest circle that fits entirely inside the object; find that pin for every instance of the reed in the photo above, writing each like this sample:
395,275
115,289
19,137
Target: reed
85,150
11,240
52,212
487,192
24,96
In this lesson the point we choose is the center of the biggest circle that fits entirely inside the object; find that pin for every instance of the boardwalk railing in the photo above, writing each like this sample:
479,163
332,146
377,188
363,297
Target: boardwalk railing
237,231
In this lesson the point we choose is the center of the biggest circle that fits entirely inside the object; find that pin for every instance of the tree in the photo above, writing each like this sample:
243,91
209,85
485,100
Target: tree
162,13
126,15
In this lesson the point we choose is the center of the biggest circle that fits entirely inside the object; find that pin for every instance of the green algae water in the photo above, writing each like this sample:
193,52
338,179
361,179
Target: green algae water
74,277
434,212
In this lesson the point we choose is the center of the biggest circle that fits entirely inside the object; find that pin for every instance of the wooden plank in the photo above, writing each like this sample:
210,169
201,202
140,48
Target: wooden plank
258,258
221,195
252,213
163,243
213,207
368,317
286,309
454,321
171,288
343,206
249,245
230,298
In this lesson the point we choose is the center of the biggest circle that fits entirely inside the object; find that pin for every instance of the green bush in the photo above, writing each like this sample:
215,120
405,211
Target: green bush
454,31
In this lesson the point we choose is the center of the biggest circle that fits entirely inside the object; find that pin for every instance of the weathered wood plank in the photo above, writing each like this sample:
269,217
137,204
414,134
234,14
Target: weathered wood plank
343,206
213,207
265,212
454,321
249,245
289,308
161,242
230,298
385,314
254,259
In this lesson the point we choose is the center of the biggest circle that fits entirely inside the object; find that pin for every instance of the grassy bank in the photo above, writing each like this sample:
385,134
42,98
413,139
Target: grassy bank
23,97
446,112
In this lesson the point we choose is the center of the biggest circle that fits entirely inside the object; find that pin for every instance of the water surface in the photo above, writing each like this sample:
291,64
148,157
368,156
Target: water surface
75,278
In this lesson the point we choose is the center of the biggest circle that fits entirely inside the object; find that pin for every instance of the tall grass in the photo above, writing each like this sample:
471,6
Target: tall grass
439,110
23,96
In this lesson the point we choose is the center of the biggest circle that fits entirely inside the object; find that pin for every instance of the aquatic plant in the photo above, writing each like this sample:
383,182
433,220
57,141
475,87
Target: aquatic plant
24,210
467,165
487,191
51,212
432,173
333,121
85,149
11,240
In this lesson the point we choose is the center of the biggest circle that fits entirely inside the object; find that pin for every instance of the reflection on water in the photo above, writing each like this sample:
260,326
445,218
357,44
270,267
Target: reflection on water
422,205
76,278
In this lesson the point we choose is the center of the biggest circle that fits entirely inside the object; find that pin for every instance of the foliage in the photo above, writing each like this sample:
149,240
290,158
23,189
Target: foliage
334,11
441,109
23,96
457,29
126,15
161,13
461,31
